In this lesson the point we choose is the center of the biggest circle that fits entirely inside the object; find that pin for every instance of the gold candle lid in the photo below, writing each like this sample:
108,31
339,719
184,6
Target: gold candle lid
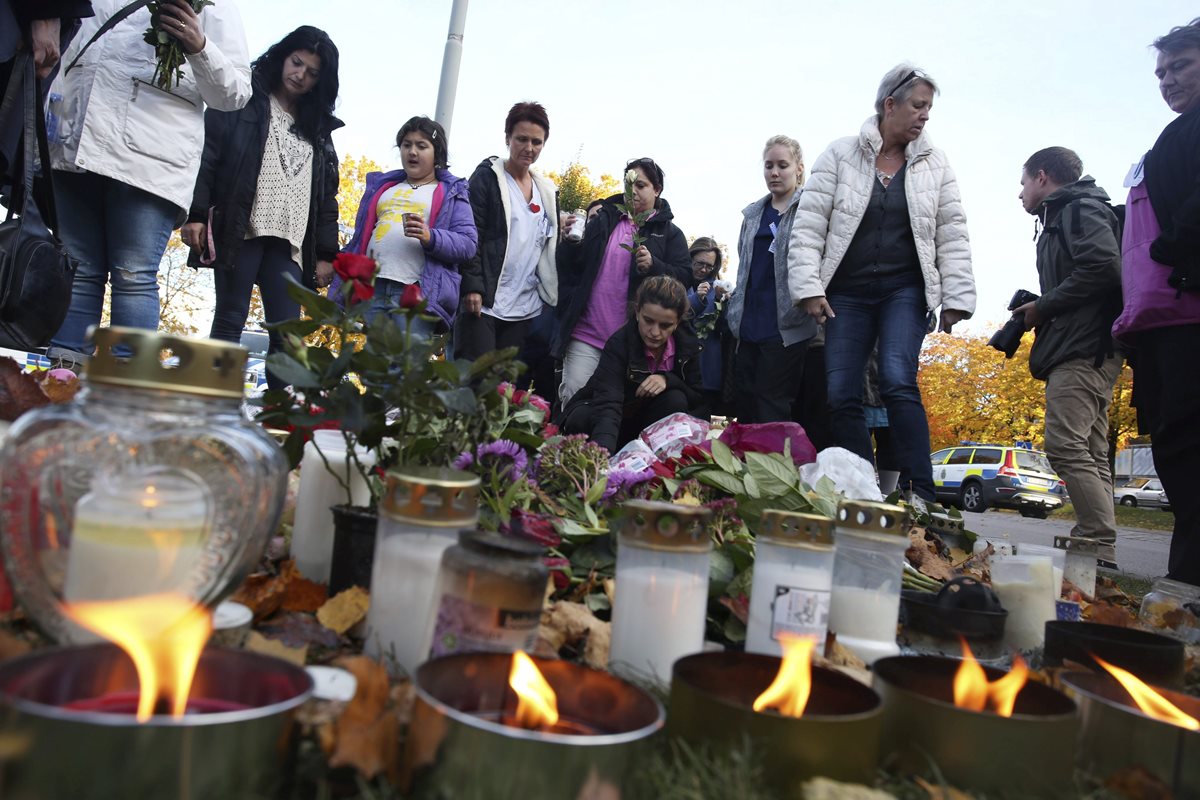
665,526
794,529
205,367
944,523
864,516
1079,545
439,497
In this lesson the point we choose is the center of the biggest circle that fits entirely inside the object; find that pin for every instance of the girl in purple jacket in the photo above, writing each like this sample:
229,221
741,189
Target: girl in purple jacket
416,223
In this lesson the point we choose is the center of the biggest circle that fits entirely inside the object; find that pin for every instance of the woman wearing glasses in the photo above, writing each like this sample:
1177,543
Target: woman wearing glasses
879,263
772,334
606,276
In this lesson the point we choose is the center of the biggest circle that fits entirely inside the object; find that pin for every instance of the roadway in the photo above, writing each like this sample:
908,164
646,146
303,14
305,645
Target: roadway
1139,552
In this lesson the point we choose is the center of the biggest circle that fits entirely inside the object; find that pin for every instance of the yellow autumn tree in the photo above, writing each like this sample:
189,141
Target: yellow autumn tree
352,182
576,189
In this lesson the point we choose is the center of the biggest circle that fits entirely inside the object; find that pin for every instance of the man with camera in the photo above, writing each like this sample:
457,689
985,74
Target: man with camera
1079,267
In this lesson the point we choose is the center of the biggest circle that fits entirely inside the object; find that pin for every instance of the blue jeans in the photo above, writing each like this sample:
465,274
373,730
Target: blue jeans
118,233
898,317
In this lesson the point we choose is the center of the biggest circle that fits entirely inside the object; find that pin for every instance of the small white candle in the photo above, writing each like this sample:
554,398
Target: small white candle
790,595
135,535
403,581
1024,585
319,491
865,620
658,613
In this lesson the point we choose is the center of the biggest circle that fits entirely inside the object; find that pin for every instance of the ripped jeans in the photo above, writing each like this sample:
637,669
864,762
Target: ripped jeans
119,234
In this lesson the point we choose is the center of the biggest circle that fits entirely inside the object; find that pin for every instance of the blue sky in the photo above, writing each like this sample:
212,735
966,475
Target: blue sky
699,86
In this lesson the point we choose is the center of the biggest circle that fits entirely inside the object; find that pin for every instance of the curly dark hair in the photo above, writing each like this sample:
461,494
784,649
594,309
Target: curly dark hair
314,108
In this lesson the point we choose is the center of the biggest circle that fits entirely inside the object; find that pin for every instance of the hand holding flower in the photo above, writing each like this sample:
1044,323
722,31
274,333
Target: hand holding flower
643,259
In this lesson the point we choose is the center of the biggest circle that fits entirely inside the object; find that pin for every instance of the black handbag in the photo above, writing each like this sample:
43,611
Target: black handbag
36,272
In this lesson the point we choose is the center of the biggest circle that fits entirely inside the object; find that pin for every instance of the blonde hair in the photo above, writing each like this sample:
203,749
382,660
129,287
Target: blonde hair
790,144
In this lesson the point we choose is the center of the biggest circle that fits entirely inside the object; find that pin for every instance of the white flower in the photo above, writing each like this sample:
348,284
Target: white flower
631,177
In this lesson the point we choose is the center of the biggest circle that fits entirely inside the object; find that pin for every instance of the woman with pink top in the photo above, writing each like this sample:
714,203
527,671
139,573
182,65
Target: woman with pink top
598,277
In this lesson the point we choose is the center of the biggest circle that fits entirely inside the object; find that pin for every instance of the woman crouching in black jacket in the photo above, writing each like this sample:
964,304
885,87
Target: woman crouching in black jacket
648,370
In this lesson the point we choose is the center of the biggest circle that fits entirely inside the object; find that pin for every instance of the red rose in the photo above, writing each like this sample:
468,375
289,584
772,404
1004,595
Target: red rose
412,296
539,402
560,571
359,272
518,396
535,527
549,430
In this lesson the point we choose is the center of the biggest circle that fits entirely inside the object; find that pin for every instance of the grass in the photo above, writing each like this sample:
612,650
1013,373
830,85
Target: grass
1151,519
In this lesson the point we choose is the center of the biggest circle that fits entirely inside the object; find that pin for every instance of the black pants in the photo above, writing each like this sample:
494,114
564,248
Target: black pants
811,408
638,414
537,354
475,336
265,261
1167,378
767,377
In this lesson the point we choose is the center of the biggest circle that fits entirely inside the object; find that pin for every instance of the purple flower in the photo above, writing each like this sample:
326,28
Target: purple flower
504,449
625,479
463,460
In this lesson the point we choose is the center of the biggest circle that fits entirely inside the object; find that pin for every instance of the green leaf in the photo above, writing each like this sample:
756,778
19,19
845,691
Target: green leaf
724,457
734,629
523,438
671,486
752,488
720,479
590,513
460,401
773,477
291,371
742,584
597,601
596,491
720,572
570,529
595,554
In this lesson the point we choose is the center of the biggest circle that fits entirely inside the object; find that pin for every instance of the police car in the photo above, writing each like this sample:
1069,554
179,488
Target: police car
976,477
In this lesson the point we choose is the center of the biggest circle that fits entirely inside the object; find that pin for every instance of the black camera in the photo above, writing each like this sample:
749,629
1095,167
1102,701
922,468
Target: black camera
1008,338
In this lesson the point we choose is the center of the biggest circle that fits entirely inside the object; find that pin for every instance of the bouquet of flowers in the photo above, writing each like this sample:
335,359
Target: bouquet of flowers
167,50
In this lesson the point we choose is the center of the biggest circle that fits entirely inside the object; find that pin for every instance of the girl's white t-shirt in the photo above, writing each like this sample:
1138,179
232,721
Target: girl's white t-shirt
401,258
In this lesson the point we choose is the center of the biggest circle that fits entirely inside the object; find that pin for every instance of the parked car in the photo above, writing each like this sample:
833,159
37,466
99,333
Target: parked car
1144,492
980,476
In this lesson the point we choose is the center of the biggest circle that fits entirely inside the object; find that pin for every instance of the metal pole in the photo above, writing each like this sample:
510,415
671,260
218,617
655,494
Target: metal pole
450,61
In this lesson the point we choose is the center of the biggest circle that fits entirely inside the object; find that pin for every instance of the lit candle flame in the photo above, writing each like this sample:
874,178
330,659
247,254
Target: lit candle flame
164,634
1149,701
537,705
788,693
973,691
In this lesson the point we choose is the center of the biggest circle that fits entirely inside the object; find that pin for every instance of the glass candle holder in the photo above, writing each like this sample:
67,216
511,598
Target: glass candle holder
1025,586
865,606
489,594
1058,562
325,474
1079,561
419,515
151,480
661,596
793,578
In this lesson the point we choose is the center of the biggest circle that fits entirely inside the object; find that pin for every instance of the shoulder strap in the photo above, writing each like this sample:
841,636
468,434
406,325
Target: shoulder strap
112,22
36,148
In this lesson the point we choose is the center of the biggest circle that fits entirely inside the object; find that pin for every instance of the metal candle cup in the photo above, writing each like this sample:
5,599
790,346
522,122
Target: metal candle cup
458,746
712,697
68,713
923,725
1115,735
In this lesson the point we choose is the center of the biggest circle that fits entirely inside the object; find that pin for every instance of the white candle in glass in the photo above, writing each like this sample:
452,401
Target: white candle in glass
865,620
319,491
136,535
658,611
793,574
1025,586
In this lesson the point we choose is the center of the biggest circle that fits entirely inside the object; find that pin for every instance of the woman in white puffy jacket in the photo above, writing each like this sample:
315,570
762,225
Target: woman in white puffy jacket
126,152
879,244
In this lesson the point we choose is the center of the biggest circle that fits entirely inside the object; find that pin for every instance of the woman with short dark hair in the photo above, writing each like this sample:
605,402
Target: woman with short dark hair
264,207
605,275
648,370
513,274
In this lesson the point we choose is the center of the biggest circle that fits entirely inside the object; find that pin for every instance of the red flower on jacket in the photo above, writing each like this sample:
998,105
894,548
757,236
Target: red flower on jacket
359,272
412,296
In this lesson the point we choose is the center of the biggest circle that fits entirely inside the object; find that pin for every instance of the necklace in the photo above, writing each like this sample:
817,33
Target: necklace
415,186
883,177
886,157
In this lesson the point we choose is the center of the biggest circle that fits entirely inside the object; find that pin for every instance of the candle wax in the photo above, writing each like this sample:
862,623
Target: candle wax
658,617
865,620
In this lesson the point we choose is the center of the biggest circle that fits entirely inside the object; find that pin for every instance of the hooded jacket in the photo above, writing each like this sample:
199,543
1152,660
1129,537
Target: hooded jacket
116,122
234,142
794,325
491,206
579,263
835,199
1079,267
622,368
452,236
